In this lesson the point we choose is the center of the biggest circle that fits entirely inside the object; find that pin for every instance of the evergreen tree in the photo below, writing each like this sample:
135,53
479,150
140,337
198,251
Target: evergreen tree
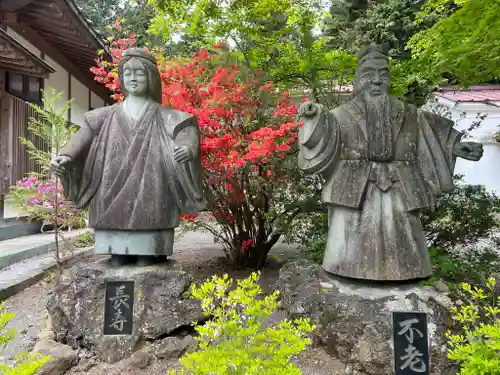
133,16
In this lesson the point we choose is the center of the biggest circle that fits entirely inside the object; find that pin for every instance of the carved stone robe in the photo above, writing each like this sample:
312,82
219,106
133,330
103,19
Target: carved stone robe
125,172
375,230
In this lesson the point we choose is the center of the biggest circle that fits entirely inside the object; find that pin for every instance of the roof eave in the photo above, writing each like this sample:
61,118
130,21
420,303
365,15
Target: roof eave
47,69
95,36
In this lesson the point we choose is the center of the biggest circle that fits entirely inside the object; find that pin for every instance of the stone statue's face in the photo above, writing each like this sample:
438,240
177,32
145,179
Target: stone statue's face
373,77
135,78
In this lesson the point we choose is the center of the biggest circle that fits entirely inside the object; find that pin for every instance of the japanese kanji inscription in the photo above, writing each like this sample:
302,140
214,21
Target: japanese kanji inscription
119,308
411,347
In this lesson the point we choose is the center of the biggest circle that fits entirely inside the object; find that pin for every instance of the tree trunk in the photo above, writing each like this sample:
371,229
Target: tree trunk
253,258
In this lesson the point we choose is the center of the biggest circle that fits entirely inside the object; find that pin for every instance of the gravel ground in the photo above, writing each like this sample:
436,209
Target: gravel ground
29,307
312,362
198,253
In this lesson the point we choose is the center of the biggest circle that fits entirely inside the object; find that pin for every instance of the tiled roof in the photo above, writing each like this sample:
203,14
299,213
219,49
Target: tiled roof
484,93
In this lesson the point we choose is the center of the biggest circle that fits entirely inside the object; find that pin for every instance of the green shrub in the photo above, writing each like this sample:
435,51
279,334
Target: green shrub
475,343
462,216
237,339
26,364
311,234
472,266
85,239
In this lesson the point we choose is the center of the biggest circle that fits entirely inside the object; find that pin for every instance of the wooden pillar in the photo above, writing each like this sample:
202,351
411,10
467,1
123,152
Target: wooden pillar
69,97
2,209
3,151
3,166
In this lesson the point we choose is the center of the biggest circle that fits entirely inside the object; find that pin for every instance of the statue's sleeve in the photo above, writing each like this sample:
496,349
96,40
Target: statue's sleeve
81,180
189,189
435,150
318,142
77,148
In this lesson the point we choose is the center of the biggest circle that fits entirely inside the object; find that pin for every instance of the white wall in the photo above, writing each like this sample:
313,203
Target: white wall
485,171
96,101
80,103
59,81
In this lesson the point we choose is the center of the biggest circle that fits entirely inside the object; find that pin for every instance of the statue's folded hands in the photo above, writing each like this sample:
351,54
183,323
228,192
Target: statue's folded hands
182,154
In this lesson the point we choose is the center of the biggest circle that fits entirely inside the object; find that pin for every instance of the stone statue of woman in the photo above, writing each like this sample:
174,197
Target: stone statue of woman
135,165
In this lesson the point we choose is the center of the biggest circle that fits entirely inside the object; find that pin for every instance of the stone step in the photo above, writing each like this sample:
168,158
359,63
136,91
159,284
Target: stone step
18,227
26,247
16,223
21,275
21,248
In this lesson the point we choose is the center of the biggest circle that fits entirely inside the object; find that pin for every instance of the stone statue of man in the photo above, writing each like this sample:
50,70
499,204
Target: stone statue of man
383,160
135,165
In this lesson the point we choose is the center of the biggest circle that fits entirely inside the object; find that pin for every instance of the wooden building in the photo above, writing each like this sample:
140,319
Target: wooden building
43,44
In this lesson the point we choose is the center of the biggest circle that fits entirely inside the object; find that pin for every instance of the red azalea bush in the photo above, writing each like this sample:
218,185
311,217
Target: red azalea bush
248,137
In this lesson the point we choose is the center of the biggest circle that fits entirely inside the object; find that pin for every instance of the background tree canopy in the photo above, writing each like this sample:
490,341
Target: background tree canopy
311,44
134,16
283,37
463,44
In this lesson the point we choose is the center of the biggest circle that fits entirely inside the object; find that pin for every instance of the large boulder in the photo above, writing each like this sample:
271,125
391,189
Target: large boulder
62,357
174,347
76,307
354,319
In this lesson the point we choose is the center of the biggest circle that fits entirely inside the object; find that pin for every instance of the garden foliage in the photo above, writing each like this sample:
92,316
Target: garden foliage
462,216
37,197
282,37
475,341
25,363
463,43
472,264
37,193
237,339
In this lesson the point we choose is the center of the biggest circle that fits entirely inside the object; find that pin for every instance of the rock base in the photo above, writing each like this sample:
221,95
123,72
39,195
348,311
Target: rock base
354,319
76,308
62,357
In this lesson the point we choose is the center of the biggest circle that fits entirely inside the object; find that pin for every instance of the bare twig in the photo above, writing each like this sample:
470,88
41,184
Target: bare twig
56,227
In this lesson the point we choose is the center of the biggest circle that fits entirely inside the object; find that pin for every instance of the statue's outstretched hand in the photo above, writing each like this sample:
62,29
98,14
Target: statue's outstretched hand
182,154
468,150
309,110
57,165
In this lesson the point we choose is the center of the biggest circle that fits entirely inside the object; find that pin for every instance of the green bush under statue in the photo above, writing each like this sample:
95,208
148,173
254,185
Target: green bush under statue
237,340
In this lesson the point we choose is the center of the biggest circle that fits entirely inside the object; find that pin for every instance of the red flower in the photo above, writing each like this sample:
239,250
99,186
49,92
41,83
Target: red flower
246,244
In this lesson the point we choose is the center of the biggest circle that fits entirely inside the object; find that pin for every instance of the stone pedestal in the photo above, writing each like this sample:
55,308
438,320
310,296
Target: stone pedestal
161,307
133,242
354,318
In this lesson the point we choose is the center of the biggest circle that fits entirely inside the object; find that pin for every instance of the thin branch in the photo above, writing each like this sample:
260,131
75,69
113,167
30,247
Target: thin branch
211,230
56,227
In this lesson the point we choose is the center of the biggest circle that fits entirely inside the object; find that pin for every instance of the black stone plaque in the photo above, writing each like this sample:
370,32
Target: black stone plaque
411,343
119,308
